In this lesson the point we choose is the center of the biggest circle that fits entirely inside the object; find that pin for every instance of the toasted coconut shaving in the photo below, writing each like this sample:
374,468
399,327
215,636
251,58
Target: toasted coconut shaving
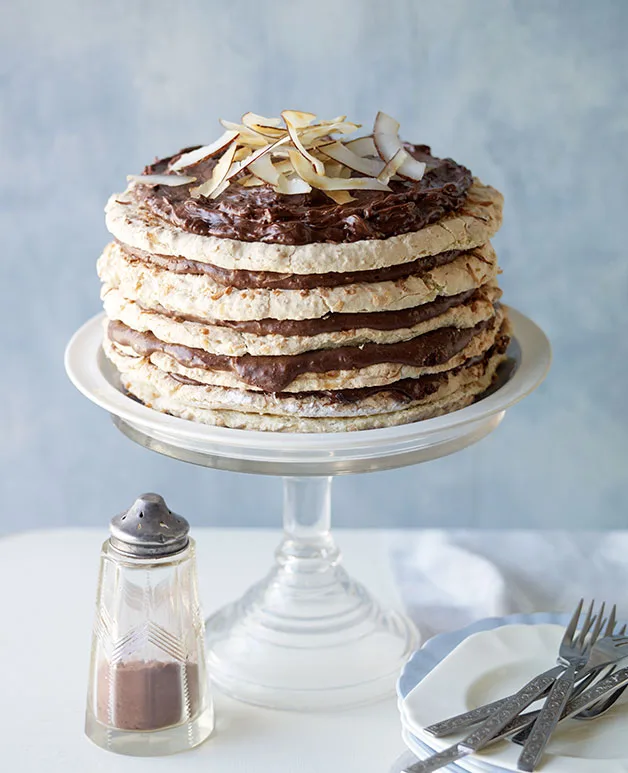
395,163
345,156
207,151
246,136
219,174
305,172
295,121
257,155
297,118
219,189
363,146
264,169
312,134
387,142
284,166
340,197
242,153
250,181
266,127
252,118
293,185
333,168
296,153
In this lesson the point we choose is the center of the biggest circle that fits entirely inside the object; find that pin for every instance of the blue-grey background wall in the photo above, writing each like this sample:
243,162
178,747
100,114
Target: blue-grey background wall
531,94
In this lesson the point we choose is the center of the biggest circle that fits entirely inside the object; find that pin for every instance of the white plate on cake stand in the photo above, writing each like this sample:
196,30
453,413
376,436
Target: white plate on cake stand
308,636
281,453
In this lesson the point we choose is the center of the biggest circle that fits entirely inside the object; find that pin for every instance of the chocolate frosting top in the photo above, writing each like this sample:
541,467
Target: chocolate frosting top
262,215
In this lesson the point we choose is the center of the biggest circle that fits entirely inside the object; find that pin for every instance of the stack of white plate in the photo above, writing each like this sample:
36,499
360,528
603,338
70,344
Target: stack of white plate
458,671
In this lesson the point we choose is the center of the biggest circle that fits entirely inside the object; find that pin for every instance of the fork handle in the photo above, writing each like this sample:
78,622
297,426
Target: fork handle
513,706
460,722
601,690
436,761
547,720
456,752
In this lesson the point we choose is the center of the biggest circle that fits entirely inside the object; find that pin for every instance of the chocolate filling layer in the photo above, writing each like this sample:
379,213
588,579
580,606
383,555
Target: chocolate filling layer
408,390
261,215
333,323
245,280
275,373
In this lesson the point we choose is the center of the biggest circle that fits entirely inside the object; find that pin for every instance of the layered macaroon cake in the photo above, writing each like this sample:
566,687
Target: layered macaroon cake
289,278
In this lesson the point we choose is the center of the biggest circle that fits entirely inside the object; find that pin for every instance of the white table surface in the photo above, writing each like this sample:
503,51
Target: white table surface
47,592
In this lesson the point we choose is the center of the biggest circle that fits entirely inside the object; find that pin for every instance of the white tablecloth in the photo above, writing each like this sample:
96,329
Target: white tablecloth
47,586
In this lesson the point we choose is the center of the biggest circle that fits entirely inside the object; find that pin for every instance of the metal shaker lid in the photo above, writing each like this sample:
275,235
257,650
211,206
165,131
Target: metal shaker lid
148,529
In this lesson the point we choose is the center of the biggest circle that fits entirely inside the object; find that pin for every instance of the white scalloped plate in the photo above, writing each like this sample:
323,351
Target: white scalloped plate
494,663
433,652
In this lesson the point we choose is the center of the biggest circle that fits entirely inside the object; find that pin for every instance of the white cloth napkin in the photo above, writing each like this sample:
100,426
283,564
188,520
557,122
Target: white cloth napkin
448,579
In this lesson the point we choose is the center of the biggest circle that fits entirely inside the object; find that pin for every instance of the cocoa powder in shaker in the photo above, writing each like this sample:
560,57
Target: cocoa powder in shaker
147,695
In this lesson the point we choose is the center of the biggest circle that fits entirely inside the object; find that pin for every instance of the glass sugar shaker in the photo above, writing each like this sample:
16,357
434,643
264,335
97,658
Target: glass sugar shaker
148,690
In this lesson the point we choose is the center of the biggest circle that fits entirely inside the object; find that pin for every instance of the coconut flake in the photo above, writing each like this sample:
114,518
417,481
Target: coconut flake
218,190
295,120
284,166
171,180
305,172
293,185
250,181
311,134
207,151
340,197
387,142
268,123
258,154
344,155
265,170
362,146
333,168
242,153
266,127
393,166
246,136
219,175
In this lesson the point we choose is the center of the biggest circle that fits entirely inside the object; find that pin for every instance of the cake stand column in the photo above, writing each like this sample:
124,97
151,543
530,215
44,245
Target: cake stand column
308,636
307,545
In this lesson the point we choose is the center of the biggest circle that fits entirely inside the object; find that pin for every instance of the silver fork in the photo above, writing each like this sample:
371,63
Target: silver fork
595,698
601,707
459,722
605,655
574,652
556,701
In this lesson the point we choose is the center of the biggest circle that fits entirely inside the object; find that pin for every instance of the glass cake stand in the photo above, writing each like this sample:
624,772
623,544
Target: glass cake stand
308,636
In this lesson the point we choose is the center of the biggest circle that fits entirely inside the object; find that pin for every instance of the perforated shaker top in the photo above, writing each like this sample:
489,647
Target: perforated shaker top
148,529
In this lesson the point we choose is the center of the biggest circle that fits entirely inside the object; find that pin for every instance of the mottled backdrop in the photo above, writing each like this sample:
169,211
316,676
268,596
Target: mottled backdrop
531,94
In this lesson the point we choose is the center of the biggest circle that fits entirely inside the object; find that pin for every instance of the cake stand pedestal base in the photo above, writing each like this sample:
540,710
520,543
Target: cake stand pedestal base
307,636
